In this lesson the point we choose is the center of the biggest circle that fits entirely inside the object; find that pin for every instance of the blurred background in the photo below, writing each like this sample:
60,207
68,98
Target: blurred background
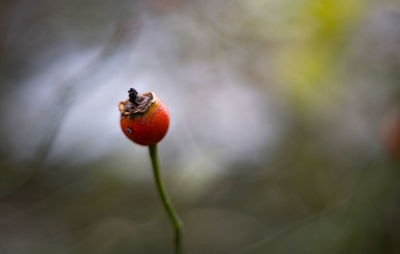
278,112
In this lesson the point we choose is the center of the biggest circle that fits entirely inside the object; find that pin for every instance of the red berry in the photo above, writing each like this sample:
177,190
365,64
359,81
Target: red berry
390,132
144,118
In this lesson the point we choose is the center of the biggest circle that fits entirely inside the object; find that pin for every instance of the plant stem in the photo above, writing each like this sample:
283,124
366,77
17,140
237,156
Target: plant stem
169,208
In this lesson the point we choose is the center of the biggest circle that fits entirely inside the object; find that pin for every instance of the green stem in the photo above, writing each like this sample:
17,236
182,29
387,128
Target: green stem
169,208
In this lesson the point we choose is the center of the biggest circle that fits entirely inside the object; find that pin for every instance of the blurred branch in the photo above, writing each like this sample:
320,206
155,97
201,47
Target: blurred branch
68,92
349,202
292,227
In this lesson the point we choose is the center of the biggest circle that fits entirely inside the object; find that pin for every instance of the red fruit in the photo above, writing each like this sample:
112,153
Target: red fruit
390,132
144,118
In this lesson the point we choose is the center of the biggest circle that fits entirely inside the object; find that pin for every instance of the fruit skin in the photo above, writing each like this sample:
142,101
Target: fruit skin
148,128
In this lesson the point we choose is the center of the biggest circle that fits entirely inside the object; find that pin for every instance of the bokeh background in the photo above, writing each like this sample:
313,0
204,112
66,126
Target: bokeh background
277,108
